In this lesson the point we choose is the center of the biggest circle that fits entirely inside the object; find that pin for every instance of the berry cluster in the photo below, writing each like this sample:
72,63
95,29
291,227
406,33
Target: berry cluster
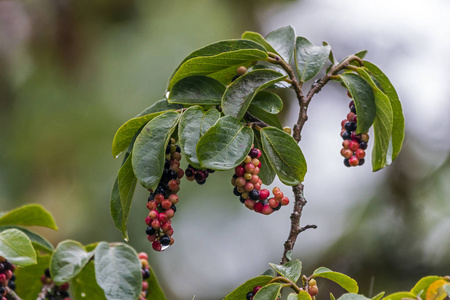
145,274
7,277
313,290
353,144
247,186
54,292
162,201
196,174
252,293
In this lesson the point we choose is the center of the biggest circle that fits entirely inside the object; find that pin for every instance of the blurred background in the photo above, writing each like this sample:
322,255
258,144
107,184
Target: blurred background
71,72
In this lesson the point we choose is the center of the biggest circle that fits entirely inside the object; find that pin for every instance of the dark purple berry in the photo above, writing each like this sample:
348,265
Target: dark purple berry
350,126
167,164
253,153
174,208
351,104
241,199
64,294
47,273
363,145
189,172
210,171
278,207
7,265
177,149
2,290
2,269
254,194
145,273
150,230
236,192
346,162
173,174
353,109
234,176
164,240
200,176
12,285
361,161
151,197
234,78
346,135
249,295
168,149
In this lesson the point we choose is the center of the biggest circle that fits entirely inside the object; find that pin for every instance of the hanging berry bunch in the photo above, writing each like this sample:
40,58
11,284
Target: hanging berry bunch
247,186
51,291
353,144
145,275
7,277
162,201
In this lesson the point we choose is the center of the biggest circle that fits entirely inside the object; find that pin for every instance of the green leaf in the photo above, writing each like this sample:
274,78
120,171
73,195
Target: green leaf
351,296
266,172
291,270
248,286
331,56
125,134
382,126
400,296
270,272
150,147
200,90
265,106
283,40
16,247
159,106
225,144
361,54
154,289
420,288
118,271
28,280
269,292
240,93
256,37
219,60
303,295
38,241
398,125
363,98
378,296
284,155
193,124
84,285
122,196
29,215
343,280
309,59
68,260
332,297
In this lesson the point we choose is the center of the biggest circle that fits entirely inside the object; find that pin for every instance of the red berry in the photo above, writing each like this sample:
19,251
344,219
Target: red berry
2,278
144,285
153,214
256,289
143,255
255,162
273,202
353,145
254,179
267,210
239,171
65,286
313,290
249,167
180,173
166,226
348,153
278,195
240,181
263,194
173,185
151,205
257,186
162,217
345,144
151,238
156,224
353,161
360,153
258,207
355,119
249,187
250,204
253,153
156,245
350,116
256,170
170,213
8,274
148,221
355,137
259,153
159,198
284,201
174,198
166,204
343,123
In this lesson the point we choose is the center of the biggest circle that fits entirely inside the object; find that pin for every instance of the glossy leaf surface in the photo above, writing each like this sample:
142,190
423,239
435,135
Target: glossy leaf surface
38,241
343,280
16,247
283,41
309,59
84,285
200,90
291,270
29,215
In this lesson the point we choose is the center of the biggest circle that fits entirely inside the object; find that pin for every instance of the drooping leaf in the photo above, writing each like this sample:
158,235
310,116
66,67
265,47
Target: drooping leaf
117,281
284,155
159,106
257,38
29,215
200,90
398,125
68,260
125,134
400,296
241,92
154,289
351,296
193,124
269,292
378,296
436,290
122,196
382,126
309,59
248,286
16,247
343,280
420,288
225,144
265,106
291,270
219,60
363,98
283,41
149,149
84,285
266,172
28,280
38,241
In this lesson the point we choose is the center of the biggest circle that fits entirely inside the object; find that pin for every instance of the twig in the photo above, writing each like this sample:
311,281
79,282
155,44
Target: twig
303,101
11,295
45,290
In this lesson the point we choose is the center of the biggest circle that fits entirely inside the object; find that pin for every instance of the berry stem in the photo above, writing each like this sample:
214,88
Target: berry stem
11,295
45,290
303,101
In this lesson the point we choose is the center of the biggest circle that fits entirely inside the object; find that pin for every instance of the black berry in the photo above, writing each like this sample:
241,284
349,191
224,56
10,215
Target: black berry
346,135
174,208
249,295
164,240
236,192
254,194
189,172
350,126
150,230
145,273
363,145
346,162
361,161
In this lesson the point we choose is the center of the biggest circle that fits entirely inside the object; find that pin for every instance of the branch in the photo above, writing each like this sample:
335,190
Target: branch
11,295
303,101
45,290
